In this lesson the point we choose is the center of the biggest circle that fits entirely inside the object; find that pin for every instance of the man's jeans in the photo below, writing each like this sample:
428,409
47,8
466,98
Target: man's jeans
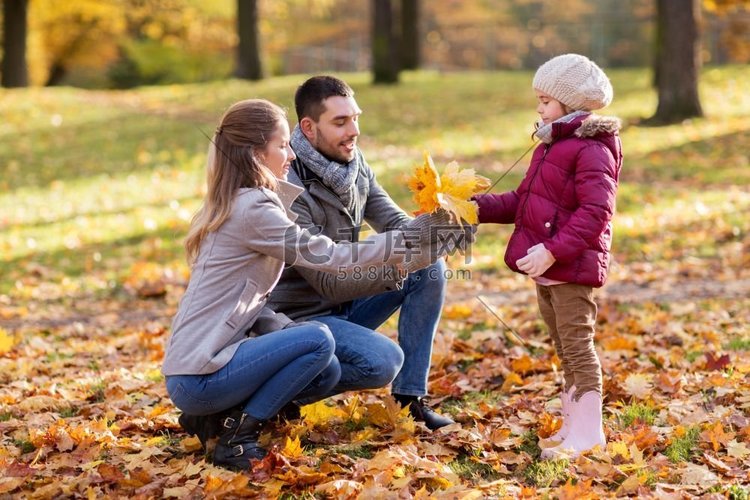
264,374
369,359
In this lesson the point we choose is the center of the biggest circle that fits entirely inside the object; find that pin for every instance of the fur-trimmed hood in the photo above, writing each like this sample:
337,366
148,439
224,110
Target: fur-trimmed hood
594,125
566,200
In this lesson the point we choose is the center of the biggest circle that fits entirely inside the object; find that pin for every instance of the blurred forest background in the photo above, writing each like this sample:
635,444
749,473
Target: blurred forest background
127,43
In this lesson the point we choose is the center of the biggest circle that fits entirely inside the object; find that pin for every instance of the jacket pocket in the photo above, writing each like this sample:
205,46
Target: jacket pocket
550,225
249,301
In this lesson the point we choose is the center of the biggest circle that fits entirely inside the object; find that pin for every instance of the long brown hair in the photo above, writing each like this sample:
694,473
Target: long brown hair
233,163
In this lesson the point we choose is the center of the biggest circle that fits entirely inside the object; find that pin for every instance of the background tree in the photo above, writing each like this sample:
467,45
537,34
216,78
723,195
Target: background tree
677,61
249,64
85,33
385,63
15,73
410,36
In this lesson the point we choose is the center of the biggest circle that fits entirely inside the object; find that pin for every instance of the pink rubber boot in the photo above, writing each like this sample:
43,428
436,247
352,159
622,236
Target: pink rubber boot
585,430
558,437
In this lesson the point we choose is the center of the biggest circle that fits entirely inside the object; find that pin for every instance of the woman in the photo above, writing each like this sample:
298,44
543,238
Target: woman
231,363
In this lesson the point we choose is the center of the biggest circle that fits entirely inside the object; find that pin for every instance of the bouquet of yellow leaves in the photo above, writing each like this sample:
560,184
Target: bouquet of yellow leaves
450,190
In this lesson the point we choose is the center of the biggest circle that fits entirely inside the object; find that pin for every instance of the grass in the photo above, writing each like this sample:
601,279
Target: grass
96,181
530,444
683,448
473,470
738,344
545,473
637,413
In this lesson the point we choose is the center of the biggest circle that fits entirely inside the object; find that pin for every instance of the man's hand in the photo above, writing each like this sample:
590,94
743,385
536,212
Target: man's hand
538,259
424,229
420,257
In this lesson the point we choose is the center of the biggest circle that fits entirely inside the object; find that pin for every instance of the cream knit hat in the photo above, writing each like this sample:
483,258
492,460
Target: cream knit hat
575,81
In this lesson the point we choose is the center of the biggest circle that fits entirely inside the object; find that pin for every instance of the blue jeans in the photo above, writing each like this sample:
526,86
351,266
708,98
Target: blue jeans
369,359
264,374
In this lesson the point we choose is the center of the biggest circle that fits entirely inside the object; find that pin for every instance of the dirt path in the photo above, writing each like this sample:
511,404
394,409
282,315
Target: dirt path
634,293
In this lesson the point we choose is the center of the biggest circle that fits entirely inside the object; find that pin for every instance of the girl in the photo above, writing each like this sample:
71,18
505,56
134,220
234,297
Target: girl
231,363
562,212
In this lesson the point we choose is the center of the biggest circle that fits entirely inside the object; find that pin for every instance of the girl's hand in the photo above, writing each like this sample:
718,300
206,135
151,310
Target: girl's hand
538,259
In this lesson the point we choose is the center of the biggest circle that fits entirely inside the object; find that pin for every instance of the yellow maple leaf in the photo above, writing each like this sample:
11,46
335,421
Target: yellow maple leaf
457,311
618,448
450,190
292,448
425,184
354,409
320,414
6,341
457,186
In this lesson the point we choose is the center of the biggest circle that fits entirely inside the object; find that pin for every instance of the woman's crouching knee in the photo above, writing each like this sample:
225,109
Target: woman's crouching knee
385,367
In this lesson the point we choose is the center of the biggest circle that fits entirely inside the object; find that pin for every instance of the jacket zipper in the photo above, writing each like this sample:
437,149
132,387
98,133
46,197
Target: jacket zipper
531,182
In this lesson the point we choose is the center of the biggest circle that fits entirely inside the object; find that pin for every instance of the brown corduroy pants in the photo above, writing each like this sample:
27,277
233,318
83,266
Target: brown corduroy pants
569,311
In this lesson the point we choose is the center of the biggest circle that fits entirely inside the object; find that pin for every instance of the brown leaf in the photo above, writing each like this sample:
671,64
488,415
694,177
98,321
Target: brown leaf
716,363
668,382
110,473
18,469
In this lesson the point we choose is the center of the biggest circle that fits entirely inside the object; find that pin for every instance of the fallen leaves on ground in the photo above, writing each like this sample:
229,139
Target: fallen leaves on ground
84,411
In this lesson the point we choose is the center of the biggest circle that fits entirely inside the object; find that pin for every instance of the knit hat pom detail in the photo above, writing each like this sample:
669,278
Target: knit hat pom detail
575,81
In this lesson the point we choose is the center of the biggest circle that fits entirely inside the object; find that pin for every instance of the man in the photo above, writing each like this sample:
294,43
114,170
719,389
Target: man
341,193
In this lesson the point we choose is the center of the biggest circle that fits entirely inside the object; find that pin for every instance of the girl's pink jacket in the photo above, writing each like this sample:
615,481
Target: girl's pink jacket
566,201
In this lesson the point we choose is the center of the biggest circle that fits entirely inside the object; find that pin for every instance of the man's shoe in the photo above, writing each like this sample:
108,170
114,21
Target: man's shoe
423,413
204,427
290,411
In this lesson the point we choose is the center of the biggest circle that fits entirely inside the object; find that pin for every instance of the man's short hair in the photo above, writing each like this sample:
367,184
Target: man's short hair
308,100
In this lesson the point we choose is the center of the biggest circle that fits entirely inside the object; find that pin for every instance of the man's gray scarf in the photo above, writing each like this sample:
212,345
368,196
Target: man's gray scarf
544,132
340,178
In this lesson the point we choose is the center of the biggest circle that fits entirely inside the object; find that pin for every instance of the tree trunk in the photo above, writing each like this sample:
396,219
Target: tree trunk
677,60
249,65
56,74
384,54
409,34
15,72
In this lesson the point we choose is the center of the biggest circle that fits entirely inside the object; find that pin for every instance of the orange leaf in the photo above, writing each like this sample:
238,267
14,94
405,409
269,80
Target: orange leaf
217,486
511,380
457,311
644,438
425,184
618,343
716,436
450,190
548,424
522,365
579,491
